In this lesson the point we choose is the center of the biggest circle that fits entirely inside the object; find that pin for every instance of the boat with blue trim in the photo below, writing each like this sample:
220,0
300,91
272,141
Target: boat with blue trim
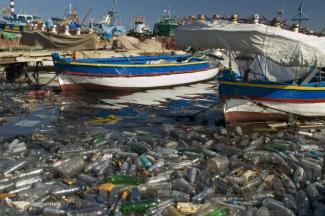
133,73
272,73
265,100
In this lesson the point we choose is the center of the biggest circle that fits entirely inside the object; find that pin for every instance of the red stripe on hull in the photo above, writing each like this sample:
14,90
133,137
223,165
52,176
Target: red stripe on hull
253,116
136,75
285,100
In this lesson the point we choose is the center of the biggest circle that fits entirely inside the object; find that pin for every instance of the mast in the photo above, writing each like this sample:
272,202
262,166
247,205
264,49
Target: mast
300,16
12,7
70,9
114,5
169,8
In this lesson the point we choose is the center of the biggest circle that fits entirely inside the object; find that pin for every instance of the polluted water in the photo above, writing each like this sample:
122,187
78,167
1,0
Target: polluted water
89,154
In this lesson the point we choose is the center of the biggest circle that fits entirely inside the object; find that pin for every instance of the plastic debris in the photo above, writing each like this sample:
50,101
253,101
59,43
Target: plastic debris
106,166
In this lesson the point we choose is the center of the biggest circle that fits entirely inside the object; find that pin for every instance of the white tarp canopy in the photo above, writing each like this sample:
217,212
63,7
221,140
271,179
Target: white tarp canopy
284,47
264,69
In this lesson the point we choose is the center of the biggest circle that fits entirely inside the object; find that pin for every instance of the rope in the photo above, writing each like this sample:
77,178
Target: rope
37,84
267,107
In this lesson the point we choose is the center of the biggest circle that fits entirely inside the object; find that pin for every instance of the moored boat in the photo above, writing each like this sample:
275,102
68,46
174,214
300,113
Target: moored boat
141,72
272,72
166,26
255,101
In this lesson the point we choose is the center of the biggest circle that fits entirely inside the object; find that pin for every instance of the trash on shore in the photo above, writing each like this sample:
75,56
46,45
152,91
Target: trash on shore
176,170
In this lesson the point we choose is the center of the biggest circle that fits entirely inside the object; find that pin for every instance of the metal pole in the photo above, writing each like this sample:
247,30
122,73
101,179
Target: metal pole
12,7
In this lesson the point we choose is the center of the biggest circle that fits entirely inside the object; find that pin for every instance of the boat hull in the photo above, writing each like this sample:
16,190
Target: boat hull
262,102
75,82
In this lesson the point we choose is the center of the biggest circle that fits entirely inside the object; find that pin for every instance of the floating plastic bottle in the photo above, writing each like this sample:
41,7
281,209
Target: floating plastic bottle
123,180
137,207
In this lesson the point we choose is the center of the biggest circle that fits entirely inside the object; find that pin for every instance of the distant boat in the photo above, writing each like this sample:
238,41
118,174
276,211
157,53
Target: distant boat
166,25
139,29
141,72
15,23
108,26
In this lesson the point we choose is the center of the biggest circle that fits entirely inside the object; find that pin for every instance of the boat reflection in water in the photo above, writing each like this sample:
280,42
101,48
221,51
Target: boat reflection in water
182,102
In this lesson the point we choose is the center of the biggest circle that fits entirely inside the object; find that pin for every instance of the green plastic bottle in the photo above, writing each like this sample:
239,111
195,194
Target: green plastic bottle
138,148
99,138
123,180
276,147
219,212
137,207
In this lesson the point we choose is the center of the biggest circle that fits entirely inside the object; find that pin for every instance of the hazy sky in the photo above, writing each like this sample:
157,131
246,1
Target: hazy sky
152,9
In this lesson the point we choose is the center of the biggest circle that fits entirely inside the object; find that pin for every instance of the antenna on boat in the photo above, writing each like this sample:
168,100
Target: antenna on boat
300,16
114,5
70,9
169,8
280,12
12,7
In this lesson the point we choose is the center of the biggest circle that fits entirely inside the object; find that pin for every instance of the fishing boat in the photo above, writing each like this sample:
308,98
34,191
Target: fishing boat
139,29
109,27
132,73
272,73
166,25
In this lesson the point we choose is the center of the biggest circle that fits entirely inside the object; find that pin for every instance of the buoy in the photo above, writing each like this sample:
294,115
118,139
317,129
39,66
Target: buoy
295,28
201,17
54,29
215,17
43,27
276,22
234,18
66,31
256,18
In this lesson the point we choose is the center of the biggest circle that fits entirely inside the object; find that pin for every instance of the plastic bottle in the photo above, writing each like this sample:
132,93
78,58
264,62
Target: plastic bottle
123,180
155,186
146,163
312,192
290,202
97,211
137,207
15,167
72,166
182,185
177,196
277,208
302,203
219,212
191,174
218,164
205,194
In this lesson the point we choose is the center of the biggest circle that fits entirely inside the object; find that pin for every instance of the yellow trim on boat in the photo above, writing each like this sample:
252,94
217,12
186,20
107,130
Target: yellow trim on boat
286,87
127,65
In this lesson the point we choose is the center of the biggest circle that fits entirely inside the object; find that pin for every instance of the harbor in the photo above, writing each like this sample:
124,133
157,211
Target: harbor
203,115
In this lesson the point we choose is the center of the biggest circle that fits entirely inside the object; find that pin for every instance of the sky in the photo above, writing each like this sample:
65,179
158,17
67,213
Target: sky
153,9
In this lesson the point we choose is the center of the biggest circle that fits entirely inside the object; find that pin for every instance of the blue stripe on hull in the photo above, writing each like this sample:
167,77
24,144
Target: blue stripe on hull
130,70
269,93
128,66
